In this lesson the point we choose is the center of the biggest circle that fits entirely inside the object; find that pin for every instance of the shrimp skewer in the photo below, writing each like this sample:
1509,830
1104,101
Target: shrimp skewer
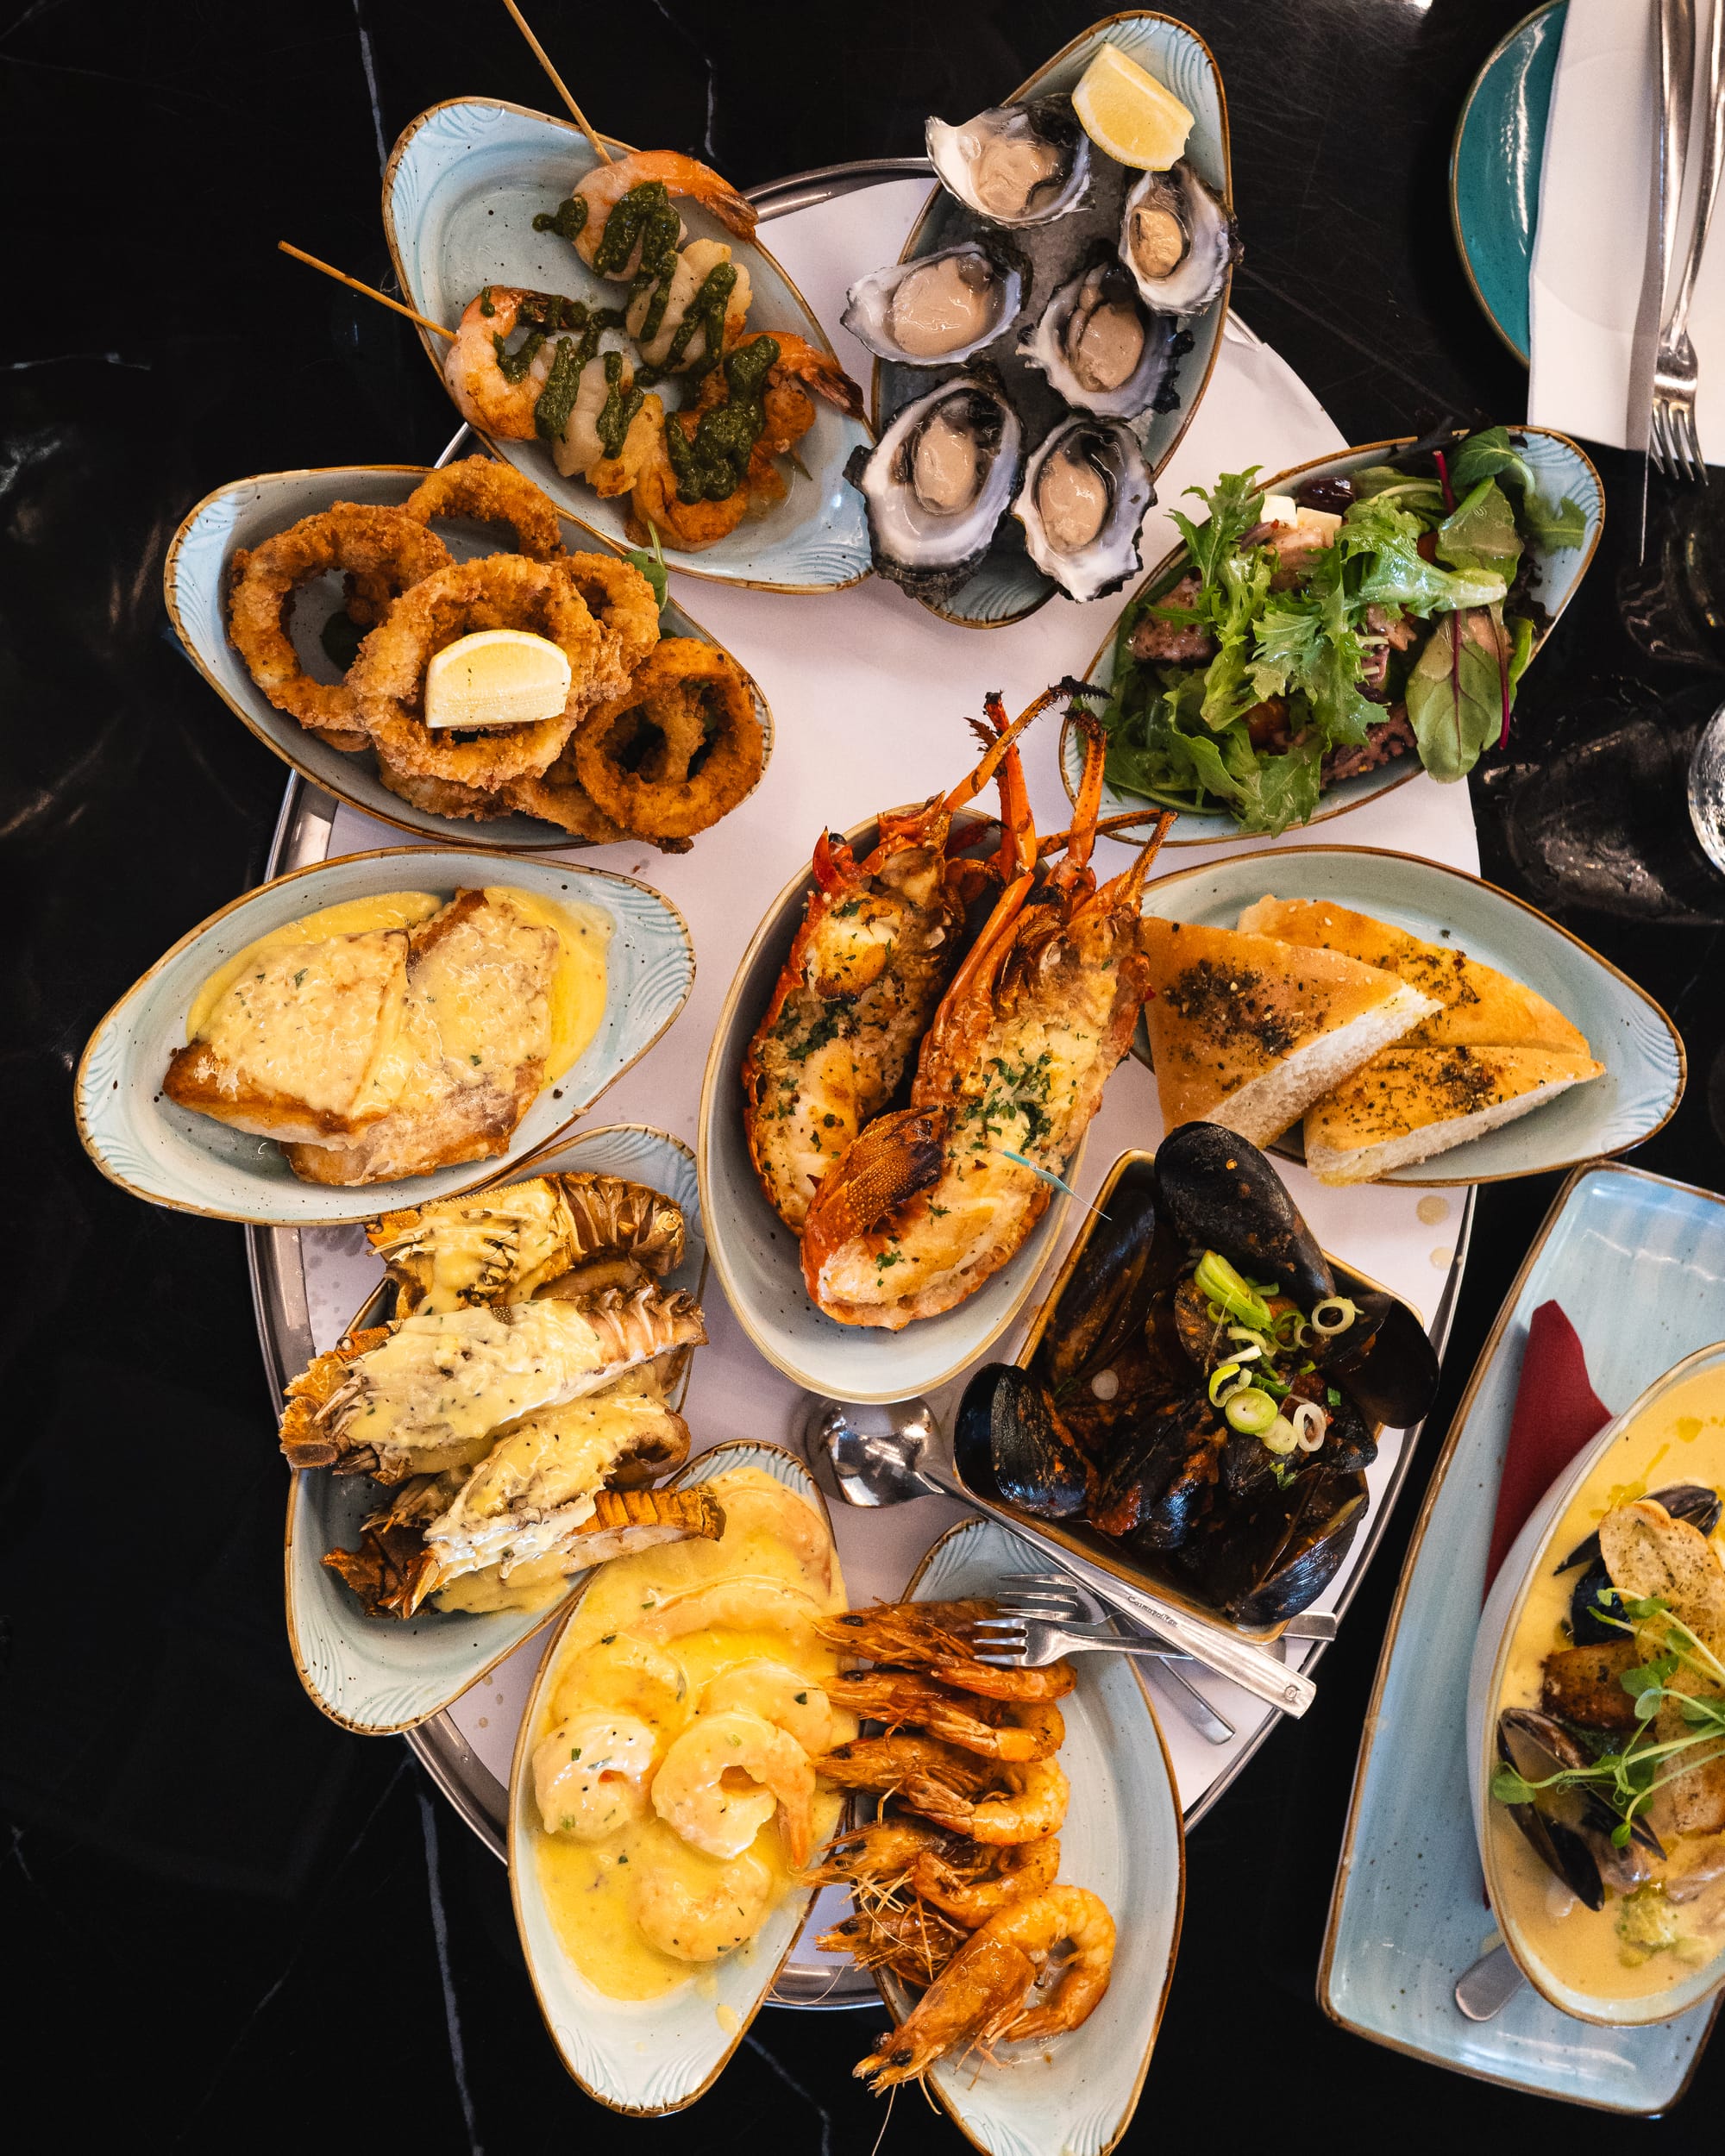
929,1202
667,173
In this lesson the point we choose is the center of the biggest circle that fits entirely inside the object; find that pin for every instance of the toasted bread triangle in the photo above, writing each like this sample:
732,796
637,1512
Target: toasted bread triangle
1411,1103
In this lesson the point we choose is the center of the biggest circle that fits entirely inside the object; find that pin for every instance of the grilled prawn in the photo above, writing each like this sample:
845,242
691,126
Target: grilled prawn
930,1201
876,948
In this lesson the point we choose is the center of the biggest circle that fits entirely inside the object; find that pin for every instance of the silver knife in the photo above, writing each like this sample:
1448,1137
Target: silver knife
1676,83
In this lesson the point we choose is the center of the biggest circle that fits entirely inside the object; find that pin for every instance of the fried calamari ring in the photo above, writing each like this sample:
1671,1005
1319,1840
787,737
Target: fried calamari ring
492,493
503,590
443,797
622,602
558,797
387,547
679,749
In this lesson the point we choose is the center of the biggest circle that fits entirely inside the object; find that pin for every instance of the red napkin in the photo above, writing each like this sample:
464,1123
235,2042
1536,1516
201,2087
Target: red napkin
1557,1411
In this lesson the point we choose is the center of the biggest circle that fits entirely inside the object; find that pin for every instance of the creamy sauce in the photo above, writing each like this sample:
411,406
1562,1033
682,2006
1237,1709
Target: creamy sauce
607,1662
1680,1439
942,306
355,917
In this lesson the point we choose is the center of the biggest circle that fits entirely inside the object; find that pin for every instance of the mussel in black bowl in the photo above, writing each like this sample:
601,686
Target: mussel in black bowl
1222,1193
1010,1445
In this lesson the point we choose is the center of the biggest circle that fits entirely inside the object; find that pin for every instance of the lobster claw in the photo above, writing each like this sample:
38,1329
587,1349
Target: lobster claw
890,1161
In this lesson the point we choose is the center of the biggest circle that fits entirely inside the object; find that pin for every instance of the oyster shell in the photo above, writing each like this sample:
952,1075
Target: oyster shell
1085,492
1014,165
939,308
1177,240
938,482
1101,348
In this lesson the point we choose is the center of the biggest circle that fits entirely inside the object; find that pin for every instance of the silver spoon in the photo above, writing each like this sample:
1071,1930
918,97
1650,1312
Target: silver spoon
1488,1987
873,1456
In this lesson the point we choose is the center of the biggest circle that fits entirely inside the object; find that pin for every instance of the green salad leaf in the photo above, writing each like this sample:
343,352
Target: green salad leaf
1481,534
1398,574
1455,694
1491,454
1236,504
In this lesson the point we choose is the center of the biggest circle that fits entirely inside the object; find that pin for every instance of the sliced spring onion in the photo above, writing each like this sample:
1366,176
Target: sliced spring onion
1218,1280
1250,1411
1249,1343
1308,1423
1280,1438
1225,1380
1333,1315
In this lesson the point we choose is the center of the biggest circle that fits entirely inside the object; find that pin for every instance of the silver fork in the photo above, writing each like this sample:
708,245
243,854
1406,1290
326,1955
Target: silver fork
1672,436
1049,1598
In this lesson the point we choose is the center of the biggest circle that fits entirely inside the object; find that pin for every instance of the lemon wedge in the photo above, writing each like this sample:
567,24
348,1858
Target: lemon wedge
496,677
1128,114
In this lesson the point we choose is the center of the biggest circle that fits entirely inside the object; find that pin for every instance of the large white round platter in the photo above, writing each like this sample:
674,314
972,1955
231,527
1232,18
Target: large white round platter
194,583
464,184
167,1153
377,1675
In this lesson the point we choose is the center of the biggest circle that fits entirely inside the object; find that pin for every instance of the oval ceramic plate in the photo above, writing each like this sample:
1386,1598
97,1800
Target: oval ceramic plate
464,184
1123,1839
646,2057
376,1675
1563,471
195,583
161,1151
1641,1049
1006,585
1528,1555
756,1254
1500,145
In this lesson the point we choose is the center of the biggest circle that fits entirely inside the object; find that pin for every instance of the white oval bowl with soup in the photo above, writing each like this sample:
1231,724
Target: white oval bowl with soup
1577,1958
625,971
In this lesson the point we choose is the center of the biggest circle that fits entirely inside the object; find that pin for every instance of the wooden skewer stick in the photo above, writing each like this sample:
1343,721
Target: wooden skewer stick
558,83
370,290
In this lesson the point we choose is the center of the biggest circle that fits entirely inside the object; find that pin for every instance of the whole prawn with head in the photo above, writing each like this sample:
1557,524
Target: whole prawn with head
878,946
930,1200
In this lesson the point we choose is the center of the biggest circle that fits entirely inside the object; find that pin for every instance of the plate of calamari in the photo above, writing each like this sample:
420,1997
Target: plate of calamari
492,1424
1045,336
615,329
424,646
1196,1404
401,1021
911,1054
705,1735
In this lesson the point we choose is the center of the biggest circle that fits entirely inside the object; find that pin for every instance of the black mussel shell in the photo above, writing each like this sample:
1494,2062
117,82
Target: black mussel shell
1248,1465
1391,1369
1204,1342
1569,1829
1124,1261
1273,1555
1008,1443
1697,1503
1588,1627
1162,1477
1351,1442
1220,1191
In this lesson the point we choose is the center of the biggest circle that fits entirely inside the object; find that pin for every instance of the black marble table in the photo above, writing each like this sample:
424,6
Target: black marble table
227,1923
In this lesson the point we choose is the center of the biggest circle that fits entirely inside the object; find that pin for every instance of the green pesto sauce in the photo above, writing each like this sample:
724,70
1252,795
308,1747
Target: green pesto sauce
644,214
620,406
707,313
540,313
712,466
569,220
563,383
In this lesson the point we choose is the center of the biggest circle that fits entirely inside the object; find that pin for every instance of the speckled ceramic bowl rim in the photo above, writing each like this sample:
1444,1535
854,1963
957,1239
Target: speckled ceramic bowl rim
1546,1518
517,1857
716,1075
550,119
895,2007
519,1173
454,832
489,1173
1462,875
1225,295
1369,1729
1175,555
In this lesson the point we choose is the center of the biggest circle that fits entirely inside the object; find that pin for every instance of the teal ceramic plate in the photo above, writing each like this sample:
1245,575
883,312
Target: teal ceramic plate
167,1155
1007,585
1122,1839
1638,1264
1564,472
650,2056
1500,143
756,1255
464,184
195,584
377,1675
1640,1047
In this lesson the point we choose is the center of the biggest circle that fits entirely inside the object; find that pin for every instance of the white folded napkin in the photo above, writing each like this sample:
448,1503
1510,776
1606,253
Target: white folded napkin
1590,244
